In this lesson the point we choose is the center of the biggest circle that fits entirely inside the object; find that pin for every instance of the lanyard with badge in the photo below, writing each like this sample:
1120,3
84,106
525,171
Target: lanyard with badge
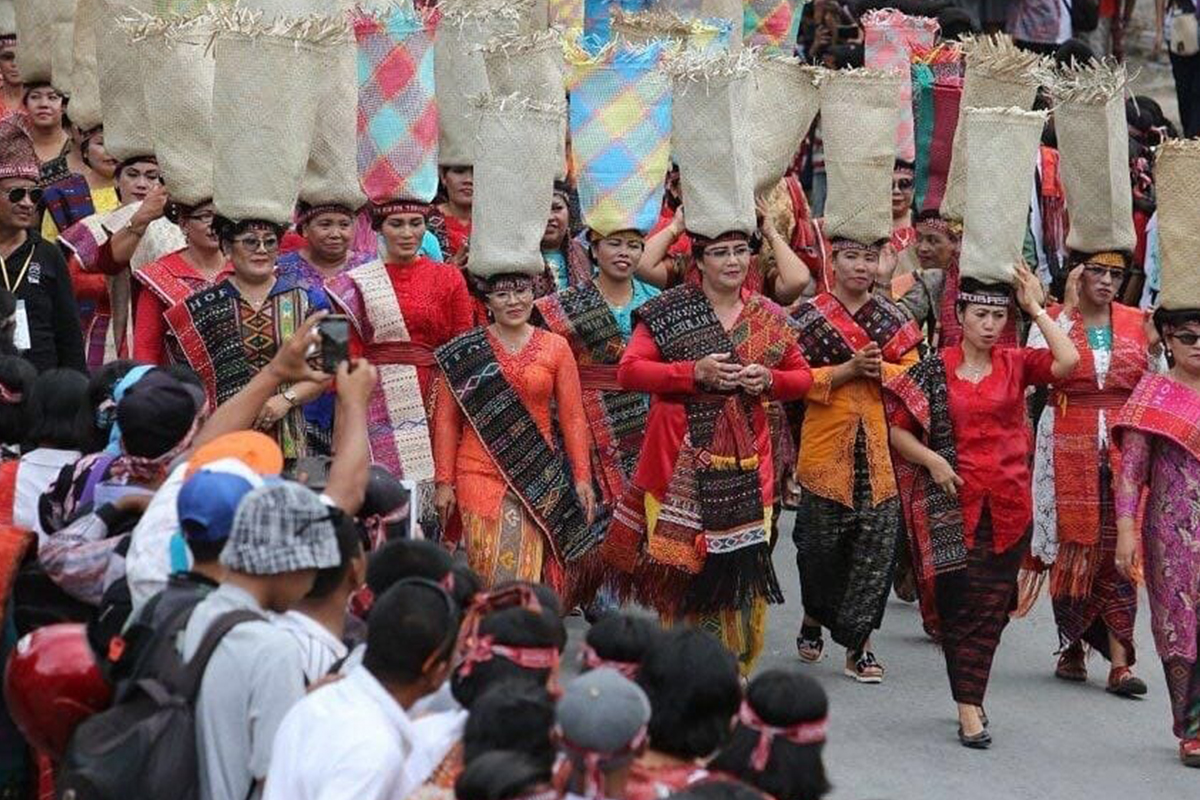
21,340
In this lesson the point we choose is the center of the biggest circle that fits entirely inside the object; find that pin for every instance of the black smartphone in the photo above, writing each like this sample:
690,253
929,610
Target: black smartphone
846,32
334,331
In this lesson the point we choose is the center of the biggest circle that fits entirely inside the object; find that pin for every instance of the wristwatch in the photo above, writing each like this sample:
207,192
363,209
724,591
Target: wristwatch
289,394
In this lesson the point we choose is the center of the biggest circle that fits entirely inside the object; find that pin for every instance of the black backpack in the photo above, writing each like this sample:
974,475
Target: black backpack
145,745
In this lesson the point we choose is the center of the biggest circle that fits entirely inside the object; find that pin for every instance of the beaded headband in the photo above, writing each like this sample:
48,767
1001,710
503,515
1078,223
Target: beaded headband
973,298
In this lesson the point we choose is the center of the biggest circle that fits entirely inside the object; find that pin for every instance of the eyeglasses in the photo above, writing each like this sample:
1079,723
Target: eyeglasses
20,193
1115,273
1187,339
8,56
741,251
511,295
903,185
268,244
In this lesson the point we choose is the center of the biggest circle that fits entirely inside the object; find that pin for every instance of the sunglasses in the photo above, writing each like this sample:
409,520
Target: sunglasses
8,56
205,217
267,244
1115,273
1188,339
17,195
904,184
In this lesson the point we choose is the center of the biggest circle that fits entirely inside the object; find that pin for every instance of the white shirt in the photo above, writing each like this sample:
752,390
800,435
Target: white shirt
319,648
253,680
348,740
37,470
148,561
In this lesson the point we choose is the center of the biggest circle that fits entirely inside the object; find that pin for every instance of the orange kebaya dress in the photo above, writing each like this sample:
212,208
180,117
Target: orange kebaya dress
505,538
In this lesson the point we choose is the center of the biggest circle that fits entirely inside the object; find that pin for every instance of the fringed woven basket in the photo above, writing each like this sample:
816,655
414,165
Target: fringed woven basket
643,27
1002,145
620,175
998,75
398,134
85,80
459,72
122,84
1177,183
514,184
35,36
784,99
859,111
62,57
262,95
331,177
1093,142
179,91
710,128
532,66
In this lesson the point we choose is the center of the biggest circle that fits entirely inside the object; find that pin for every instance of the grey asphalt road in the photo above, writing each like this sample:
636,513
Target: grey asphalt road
1053,741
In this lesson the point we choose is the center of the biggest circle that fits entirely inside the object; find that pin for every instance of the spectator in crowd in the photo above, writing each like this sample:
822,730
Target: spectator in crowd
601,728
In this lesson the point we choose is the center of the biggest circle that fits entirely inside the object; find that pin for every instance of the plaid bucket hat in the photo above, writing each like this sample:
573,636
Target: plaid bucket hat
282,527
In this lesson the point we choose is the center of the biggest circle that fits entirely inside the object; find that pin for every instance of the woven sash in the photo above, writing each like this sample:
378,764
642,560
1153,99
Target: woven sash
533,471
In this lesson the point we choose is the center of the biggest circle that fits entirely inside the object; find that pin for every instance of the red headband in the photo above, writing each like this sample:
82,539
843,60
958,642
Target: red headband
481,649
839,244
382,211
9,397
376,525
312,212
810,732
592,660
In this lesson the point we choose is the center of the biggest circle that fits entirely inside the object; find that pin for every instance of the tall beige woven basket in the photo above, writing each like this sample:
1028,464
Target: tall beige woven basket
35,37
514,184
264,109
460,76
122,94
1093,141
332,173
1177,183
85,82
179,90
783,101
998,76
62,56
1002,145
709,131
533,66
860,110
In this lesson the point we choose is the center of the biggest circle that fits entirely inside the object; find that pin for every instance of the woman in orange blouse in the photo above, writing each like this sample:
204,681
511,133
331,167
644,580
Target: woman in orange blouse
524,516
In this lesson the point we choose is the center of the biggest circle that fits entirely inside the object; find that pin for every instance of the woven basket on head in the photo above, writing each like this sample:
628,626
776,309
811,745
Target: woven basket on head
620,135
398,134
332,173
179,89
772,25
566,15
1177,185
1093,142
888,42
460,76
8,18
710,128
1002,148
122,96
35,35
783,101
514,184
731,11
264,111
532,66
998,76
85,81
62,56
859,112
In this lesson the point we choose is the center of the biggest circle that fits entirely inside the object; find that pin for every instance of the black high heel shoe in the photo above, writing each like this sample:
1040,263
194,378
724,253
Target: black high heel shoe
979,741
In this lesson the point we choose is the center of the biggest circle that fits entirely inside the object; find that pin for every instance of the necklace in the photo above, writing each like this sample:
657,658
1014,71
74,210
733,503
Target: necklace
972,373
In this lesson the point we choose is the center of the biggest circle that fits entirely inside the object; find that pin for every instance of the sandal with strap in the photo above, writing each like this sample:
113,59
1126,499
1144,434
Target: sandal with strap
864,667
810,645
1072,665
1123,683
1189,752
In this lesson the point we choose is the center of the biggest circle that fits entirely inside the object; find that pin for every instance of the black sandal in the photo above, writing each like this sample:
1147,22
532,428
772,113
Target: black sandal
810,645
